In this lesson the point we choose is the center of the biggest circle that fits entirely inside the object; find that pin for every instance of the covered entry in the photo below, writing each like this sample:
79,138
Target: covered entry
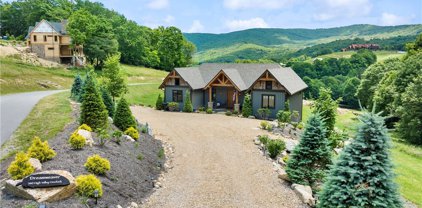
222,92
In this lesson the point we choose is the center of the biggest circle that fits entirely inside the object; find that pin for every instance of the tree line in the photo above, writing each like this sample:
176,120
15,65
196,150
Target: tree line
102,32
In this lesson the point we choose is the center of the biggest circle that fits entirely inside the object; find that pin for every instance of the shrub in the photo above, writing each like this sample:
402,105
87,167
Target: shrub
264,124
337,139
144,129
97,165
187,106
311,158
285,158
93,110
20,167
326,106
161,153
269,127
275,146
159,103
363,173
40,150
264,113
209,111
76,90
202,108
87,184
300,126
117,135
263,139
77,141
140,156
247,106
228,113
103,137
85,127
108,102
123,118
235,112
295,116
173,106
132,132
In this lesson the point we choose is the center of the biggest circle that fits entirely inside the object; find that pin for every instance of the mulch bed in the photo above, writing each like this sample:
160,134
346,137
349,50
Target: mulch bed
129,180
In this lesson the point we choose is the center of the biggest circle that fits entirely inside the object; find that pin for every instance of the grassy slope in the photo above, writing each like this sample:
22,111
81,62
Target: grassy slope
47,119
407,158
381,55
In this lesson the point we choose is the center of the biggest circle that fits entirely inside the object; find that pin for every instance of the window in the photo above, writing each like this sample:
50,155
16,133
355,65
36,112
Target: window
177,96
35,38
268,101
45,38
177,81
268,85
50,48
55,38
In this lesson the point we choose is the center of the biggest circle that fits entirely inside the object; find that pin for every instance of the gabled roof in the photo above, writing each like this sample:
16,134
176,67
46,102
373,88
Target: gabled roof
59,27
242,75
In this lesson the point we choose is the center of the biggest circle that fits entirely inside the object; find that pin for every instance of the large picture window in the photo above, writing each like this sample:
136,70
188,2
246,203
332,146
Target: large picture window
268,101
177,96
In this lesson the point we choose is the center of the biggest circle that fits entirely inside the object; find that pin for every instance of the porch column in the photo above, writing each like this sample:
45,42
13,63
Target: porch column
210,103
237,105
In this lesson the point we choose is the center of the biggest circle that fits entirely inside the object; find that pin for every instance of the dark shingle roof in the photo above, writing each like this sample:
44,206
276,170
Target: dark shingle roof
243,75
59,27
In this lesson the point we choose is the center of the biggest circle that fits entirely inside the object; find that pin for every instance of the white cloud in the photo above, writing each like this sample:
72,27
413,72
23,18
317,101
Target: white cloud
246,24
158,4
169,19
392,19
331,9
256,4
196,27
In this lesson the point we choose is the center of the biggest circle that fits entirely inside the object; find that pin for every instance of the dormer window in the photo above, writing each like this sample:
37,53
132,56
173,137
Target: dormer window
177,81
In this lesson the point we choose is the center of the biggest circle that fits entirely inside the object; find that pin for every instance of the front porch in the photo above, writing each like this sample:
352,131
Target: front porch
222,93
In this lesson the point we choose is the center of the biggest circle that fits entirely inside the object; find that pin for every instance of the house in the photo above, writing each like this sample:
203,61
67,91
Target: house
369,46
223,86
49,40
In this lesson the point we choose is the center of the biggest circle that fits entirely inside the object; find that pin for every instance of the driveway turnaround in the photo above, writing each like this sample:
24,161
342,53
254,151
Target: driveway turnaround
15,108
215,163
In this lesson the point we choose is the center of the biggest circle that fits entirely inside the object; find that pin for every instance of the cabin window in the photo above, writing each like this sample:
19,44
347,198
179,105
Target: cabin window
177,81
55,38
45,38
268,101
50,48
268,85
177,96
35,38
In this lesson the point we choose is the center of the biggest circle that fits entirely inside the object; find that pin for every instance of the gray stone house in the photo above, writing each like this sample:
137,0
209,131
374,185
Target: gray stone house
224,85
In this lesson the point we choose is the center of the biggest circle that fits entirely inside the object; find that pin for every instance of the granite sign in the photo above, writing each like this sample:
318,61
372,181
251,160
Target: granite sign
44,181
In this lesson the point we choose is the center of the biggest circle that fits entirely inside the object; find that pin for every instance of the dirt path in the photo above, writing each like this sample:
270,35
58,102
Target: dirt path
215,163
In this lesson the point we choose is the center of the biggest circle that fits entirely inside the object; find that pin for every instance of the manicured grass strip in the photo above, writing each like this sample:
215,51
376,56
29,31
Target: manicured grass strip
47,119
145,94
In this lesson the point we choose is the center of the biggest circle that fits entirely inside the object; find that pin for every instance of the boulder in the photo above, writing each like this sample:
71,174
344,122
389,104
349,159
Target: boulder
110,120
133,205
257,142
49,194
127,137
281,161
290,144
283,175
304,193
118,206
251,117
87,135
35,163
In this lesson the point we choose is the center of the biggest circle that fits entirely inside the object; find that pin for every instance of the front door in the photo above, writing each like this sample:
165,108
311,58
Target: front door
230,96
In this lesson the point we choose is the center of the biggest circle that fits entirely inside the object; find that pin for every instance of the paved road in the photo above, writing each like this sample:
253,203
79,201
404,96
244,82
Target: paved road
216,163
15,107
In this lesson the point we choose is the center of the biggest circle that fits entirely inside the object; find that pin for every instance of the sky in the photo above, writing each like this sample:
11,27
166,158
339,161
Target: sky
222,16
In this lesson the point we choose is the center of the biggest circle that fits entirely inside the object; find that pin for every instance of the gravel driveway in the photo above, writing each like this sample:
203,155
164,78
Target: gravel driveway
216,164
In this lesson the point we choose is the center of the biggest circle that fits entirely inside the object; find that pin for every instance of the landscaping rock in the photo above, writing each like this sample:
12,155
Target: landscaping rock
290,144
36,164
304,193
251,117
283,175
127,137
257,142
281,161
337,150
133,205
50,194
118,206
87,135
110,120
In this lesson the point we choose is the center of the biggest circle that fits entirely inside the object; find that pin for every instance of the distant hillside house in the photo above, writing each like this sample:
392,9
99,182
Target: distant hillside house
369,46
49,40
223,86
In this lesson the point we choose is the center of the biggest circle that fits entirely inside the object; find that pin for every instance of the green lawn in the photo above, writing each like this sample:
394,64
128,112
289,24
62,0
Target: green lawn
47,119
381,55
145,94
407,158
138,74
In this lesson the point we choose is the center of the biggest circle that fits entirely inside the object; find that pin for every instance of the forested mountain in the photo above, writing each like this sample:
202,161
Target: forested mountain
281,44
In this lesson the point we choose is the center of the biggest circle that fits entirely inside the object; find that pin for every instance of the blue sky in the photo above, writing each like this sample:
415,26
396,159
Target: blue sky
220,16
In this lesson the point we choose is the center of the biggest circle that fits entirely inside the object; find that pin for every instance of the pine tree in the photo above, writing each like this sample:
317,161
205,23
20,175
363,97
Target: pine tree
362,175
327,108
76,90
311,158
93,110
108,101
247,106
115,81
187,106
159,103
82,92
123,118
